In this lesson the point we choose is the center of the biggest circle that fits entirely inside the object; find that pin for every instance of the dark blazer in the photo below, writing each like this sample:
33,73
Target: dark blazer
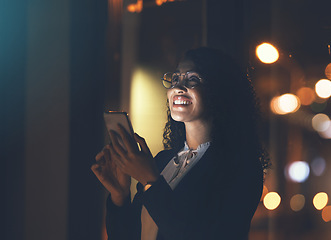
215,200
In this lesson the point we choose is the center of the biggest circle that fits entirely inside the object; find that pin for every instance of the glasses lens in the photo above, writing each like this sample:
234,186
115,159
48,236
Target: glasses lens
192,81
166,80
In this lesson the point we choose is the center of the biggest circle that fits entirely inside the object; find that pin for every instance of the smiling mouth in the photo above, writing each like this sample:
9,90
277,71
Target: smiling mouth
182,102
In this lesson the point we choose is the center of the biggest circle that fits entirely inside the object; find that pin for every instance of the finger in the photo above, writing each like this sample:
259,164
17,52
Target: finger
106,153
95,169
116,146
142,143
128,140
117,159
99,156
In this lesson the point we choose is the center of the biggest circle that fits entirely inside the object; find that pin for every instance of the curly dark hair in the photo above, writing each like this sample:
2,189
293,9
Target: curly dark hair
231,102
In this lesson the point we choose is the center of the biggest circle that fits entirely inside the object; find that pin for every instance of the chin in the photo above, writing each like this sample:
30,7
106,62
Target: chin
178,117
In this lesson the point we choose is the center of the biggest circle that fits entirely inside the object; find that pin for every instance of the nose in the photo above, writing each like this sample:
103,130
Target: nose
180,88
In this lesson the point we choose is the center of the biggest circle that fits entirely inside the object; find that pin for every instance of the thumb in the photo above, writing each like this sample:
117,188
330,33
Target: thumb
142,144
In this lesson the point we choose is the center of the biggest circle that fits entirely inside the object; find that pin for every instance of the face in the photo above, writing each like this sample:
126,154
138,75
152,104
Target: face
186,105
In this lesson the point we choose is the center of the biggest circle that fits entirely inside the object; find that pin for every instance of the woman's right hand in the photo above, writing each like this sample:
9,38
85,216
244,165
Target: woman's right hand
112,178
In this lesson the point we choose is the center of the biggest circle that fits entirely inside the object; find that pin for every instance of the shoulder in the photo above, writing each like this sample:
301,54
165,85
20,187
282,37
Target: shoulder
236,168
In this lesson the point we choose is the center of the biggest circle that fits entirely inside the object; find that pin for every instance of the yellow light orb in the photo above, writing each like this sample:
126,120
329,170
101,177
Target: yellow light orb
320,122
271,200
289,103
274,105
284,104
297,202
326,214
323,88
267,53
320,200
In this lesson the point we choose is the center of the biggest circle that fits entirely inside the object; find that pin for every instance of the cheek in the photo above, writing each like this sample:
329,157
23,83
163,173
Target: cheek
168,95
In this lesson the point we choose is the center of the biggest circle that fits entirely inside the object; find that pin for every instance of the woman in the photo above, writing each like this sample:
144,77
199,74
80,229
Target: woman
208,182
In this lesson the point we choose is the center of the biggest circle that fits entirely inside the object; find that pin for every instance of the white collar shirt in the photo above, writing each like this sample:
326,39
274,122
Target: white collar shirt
182,163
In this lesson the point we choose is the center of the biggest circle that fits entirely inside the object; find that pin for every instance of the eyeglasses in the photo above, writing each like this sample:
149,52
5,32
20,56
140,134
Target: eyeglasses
190,79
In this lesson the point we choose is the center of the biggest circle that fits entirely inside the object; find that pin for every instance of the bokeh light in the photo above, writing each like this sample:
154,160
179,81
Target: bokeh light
327,133
160,2
135,7
298,171
323,88
271,200
320,200
326,214
297,202
306,95
267,53
284,104
318,166
328,71
320,122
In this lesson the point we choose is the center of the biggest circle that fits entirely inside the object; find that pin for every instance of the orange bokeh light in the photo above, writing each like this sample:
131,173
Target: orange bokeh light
159,2
135,7
328,71
306,95
326,214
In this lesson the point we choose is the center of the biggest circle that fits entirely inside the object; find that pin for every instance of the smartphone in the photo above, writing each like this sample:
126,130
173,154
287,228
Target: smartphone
113,118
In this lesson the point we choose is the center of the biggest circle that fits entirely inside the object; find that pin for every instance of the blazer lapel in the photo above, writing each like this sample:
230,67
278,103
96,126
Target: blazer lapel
198,172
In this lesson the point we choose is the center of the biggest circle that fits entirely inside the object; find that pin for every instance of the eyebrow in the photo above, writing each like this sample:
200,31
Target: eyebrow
177,71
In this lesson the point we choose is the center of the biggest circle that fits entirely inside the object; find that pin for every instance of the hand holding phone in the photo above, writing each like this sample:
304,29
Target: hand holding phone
113,119
134,157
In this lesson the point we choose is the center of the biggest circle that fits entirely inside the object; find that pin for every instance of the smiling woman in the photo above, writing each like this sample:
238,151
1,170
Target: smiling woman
190,190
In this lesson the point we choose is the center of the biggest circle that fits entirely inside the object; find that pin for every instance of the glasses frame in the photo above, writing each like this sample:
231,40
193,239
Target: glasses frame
185,80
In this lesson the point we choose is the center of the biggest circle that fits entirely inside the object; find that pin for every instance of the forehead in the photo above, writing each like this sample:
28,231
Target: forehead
186,65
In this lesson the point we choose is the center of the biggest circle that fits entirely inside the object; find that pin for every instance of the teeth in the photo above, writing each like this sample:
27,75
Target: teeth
182,102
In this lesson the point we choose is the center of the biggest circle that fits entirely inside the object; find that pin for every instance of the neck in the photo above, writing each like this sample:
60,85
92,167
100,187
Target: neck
197,133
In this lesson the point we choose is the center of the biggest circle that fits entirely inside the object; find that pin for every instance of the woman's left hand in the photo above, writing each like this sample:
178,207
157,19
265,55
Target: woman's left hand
139,164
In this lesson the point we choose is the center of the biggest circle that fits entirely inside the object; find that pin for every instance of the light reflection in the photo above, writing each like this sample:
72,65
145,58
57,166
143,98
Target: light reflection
272,200
297,202
267,53
320,200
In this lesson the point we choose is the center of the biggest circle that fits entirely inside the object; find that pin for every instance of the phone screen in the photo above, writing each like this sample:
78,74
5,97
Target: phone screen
113,118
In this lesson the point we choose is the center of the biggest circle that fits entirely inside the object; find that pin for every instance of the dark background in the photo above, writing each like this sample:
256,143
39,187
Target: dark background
61,65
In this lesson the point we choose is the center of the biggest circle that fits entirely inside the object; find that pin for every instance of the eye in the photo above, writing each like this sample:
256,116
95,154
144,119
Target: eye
193,81
174,80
